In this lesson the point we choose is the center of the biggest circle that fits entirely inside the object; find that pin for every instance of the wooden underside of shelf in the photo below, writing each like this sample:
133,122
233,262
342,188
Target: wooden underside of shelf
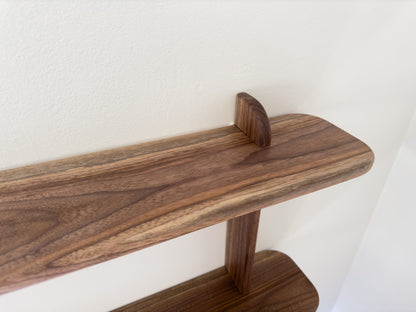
64,215
277,285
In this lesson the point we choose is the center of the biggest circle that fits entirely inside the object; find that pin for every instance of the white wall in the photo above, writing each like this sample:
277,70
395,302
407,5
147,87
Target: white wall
81,76
383,275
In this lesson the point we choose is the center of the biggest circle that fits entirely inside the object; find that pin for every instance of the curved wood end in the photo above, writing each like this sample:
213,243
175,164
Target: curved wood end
251,118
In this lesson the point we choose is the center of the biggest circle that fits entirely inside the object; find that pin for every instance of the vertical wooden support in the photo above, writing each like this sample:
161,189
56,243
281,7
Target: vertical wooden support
240,249
251,118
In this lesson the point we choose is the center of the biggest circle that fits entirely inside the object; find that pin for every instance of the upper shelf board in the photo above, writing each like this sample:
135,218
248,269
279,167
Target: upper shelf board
60,216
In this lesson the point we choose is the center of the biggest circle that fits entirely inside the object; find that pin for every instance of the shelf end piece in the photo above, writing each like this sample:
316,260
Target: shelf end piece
252,119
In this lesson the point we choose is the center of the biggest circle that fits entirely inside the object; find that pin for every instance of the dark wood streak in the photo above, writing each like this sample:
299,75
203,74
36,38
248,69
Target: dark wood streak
110,203
277,285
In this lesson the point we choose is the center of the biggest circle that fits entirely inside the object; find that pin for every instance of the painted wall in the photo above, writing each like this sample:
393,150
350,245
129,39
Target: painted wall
383,275
81,76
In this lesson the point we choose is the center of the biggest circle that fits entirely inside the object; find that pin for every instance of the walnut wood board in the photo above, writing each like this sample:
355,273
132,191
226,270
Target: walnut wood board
240,248
60,216
277,285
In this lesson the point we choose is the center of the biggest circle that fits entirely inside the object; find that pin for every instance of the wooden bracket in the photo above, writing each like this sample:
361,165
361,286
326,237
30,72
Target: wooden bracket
64,215
240,249
251,118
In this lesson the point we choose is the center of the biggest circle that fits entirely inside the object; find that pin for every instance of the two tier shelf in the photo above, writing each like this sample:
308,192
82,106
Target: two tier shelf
61,216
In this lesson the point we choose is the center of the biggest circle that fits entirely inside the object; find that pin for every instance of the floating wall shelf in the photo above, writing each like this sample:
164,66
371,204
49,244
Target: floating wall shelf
64,215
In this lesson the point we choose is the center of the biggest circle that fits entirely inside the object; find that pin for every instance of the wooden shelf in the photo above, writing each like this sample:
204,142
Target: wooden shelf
64,215
277,285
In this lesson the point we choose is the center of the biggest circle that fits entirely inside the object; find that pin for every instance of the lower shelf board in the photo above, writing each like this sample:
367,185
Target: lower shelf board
277,284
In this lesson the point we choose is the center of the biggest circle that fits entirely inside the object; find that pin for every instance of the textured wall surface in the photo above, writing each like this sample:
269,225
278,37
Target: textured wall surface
81,76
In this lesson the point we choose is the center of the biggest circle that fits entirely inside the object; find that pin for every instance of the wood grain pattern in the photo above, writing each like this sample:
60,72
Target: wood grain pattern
251,118
64,215
277,285
240,248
